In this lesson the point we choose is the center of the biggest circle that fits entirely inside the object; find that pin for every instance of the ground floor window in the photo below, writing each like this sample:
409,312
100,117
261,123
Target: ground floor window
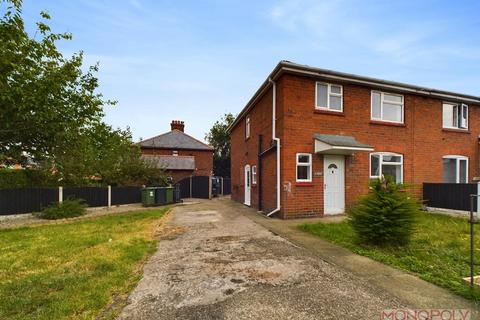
304,167
386,164
254,174
455,169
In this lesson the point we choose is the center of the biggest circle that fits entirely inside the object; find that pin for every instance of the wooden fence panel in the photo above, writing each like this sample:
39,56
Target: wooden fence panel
93,196
126,195
185,187
26,200
200,187
454,196
195,187
227,186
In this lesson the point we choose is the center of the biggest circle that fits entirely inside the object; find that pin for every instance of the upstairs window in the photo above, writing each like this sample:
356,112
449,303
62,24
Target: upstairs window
386,164
455,116
329,96
455,169
247,127
304,167
387,107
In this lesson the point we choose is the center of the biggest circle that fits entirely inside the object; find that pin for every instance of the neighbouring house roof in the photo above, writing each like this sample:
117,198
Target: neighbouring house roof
171,162
175,139
337,144
295,68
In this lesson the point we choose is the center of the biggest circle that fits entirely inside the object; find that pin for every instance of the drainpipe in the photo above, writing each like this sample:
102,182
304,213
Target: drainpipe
277,141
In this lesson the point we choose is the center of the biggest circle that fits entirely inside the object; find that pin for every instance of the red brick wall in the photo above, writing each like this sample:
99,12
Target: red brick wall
421,140
245,151
203,162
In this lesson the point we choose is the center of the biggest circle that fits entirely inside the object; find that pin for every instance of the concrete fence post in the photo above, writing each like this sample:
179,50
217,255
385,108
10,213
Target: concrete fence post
221,184
109,188
60,194
209,187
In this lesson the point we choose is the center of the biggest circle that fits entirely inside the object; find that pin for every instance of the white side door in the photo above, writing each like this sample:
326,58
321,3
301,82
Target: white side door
334,184
247,185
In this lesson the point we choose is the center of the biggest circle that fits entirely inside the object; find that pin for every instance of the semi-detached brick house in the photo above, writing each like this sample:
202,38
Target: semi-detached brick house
180,154
331,132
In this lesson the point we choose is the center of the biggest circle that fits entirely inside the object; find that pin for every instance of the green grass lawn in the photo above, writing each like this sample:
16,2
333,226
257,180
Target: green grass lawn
439,251
74,270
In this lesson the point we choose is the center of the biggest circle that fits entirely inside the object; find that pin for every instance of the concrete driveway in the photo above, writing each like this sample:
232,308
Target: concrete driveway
213,262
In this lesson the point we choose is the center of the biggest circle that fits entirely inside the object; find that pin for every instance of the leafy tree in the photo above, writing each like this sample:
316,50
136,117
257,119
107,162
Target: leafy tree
104,156
45,98
51,113
386,215
219,138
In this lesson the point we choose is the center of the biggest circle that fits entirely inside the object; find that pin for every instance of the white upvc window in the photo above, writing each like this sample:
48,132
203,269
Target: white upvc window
247,127
455,116
455,169
304,167
386,164
329,96
387,107
254,175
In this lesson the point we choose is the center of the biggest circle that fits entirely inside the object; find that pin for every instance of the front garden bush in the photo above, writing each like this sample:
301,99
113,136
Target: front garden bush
66,209
386,216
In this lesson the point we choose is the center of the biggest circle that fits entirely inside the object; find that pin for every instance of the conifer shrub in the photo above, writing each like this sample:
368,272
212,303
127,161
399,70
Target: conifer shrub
386,216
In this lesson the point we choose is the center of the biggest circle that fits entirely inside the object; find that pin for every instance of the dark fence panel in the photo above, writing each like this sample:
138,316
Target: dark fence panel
227,186
200,187
177,195
194,187
184,186
126,195
26,200
93,196
454,196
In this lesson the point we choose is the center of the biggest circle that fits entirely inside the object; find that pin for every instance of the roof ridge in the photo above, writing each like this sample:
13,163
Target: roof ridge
180,139
196,139
157,136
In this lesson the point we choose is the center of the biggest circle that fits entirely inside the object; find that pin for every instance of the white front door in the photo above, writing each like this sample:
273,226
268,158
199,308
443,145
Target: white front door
334,184
247,185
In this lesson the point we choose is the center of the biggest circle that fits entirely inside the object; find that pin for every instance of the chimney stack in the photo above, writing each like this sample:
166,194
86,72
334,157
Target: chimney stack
177,125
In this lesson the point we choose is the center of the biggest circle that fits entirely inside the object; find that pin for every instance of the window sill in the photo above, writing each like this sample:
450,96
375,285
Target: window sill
326,111
304,184
386,123
456,130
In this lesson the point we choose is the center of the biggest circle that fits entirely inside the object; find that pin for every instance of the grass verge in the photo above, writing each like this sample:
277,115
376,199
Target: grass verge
439,251
74,270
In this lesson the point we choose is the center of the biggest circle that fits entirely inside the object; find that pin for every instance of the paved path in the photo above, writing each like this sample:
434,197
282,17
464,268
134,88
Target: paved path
216,262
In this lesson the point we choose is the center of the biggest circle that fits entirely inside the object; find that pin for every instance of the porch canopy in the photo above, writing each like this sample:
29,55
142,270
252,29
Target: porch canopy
336,144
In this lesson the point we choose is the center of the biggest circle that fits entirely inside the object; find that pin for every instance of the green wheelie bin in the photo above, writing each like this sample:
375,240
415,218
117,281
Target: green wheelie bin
169,194
148,197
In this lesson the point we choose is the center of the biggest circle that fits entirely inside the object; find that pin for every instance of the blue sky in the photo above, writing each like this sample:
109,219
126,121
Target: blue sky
196,60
